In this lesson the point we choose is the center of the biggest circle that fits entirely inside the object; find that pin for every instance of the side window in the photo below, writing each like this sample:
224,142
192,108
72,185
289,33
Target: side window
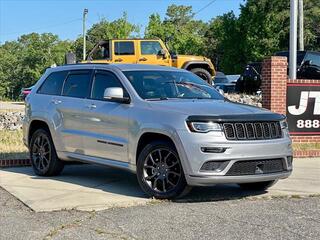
150,47
124,48
103,80
53,83
77,84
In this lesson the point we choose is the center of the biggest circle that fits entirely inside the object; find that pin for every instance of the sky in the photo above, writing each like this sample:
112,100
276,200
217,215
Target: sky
64,17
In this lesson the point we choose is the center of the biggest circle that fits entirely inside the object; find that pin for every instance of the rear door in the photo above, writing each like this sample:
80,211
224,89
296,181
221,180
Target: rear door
47,99
149,53
69,108
106,122
124,51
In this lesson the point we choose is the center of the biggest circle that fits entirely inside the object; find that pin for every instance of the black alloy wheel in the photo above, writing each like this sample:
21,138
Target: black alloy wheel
43,155
159,171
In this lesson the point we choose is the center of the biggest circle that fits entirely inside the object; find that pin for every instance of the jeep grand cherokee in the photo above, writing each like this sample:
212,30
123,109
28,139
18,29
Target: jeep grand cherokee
164,124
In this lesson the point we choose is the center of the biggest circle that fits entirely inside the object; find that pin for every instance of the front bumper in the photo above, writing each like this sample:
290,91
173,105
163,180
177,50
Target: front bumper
210,180
193,157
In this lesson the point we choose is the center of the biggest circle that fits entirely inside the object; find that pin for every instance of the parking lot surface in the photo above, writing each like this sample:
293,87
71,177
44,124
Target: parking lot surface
89,187
280,218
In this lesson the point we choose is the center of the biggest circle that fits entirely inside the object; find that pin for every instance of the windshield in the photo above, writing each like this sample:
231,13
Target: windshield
162,85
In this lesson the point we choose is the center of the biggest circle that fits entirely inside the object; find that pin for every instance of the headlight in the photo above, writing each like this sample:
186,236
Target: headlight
204,127
284,124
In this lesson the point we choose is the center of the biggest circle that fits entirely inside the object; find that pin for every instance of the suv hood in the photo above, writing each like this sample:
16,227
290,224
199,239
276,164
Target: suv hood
205,107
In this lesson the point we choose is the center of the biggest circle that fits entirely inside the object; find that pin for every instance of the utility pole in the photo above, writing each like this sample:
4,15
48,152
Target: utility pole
300,19
293,39
85,12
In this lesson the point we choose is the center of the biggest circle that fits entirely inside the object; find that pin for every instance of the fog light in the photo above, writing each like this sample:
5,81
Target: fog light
216,166
213,149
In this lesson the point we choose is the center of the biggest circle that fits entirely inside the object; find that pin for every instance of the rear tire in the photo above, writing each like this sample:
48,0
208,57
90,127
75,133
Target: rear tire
43,155
202,73
257,186
159,171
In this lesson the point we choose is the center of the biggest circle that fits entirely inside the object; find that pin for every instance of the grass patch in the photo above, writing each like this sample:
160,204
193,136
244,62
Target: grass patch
306,146
11,145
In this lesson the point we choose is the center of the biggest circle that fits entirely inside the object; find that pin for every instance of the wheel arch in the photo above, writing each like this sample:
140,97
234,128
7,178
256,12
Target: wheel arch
198,64
35,125
148,137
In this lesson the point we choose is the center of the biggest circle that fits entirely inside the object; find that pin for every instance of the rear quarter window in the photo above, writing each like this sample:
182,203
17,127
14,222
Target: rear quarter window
53,83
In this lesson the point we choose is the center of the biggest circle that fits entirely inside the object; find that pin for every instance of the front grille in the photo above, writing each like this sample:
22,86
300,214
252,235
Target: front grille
254,167
252,130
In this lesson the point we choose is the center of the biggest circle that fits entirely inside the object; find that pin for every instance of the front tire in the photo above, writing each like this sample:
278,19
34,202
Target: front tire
43,155
159,171
258,186
203,73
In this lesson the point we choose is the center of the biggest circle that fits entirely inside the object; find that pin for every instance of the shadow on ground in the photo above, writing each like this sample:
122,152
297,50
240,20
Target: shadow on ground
121,182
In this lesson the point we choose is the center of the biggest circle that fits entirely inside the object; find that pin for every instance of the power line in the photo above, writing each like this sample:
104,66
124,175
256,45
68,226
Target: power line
204,7
40,28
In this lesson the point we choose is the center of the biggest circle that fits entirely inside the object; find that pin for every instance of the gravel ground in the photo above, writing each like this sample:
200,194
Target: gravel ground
295,218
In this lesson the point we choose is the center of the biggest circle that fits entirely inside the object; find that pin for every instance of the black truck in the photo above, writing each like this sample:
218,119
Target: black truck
308,67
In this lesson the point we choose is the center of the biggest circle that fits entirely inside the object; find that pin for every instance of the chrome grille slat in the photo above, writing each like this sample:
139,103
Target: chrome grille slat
252,130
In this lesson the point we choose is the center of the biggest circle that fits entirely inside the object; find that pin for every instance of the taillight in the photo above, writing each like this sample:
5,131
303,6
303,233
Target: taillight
26,92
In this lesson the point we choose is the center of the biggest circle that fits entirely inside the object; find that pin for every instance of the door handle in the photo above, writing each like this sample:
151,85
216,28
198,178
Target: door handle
91,106
118,60
56,101
143,59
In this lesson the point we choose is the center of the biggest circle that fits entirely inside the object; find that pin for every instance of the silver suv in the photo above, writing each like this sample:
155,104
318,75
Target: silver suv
164,124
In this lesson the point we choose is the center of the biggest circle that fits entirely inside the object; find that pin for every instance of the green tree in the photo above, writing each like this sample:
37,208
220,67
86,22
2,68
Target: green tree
224,43
183,34
261,29
24,61
265,25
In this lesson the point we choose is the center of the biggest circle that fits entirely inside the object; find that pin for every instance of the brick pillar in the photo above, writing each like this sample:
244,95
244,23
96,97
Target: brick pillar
274,84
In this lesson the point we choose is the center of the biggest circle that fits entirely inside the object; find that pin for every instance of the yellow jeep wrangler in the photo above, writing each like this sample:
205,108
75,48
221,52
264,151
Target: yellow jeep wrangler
149,51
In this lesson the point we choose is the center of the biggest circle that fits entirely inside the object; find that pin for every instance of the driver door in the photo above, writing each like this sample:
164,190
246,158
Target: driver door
148,53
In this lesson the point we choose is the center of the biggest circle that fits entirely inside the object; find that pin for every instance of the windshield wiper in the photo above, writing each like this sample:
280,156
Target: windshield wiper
157,99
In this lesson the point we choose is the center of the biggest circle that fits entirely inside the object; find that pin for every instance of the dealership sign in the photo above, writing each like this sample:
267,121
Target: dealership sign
303,108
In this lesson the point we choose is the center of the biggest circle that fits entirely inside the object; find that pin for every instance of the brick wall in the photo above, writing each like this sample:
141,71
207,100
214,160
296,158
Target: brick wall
14,162
274,84
274,95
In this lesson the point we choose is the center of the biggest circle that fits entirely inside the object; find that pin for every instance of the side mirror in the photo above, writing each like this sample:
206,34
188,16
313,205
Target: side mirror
162,53
115,94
